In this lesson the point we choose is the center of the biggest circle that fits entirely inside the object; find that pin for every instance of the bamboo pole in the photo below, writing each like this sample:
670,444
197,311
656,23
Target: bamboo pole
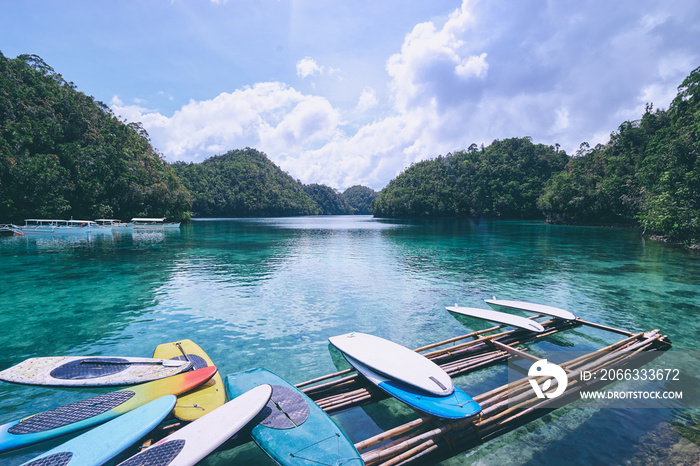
325,377
410,454
515,351
391,433
604,327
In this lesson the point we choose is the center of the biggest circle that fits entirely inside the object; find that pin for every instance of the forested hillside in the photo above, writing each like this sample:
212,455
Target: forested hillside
502,180
244,183
360,199
63,154
647,175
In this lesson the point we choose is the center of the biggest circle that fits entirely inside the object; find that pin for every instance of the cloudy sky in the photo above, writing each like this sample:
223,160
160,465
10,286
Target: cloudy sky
352,92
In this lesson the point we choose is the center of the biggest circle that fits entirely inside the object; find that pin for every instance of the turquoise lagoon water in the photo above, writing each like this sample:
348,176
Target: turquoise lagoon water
269,292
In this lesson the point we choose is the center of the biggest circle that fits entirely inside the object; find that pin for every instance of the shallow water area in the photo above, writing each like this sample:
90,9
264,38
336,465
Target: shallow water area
269,292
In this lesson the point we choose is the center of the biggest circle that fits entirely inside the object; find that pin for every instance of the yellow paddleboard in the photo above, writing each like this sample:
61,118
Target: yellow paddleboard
205,398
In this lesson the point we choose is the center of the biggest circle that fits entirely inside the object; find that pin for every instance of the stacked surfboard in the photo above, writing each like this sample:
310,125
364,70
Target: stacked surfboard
125,416
406,375
512,320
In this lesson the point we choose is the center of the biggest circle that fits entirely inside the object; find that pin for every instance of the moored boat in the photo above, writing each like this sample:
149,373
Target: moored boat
114,224
9,230
153,224
60,227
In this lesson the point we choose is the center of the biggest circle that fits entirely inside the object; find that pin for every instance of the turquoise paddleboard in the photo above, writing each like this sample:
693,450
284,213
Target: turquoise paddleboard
457,405
292,429
103,443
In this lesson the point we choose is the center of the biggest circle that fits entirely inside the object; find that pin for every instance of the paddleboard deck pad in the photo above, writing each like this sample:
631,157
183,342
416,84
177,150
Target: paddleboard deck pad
395,362
104,442
500,317
95,410
291,428
197,439
205,398
457,405
91,371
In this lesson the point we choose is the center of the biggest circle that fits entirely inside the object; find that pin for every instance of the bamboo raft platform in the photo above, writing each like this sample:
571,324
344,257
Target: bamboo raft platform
427,439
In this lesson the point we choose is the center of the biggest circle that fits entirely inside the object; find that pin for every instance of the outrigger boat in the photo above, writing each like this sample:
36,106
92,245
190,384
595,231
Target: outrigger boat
153,224
60,227
9,230
115,224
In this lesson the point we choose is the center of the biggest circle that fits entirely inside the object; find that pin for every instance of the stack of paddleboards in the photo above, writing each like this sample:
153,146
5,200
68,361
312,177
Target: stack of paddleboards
512,320
406,375
129,414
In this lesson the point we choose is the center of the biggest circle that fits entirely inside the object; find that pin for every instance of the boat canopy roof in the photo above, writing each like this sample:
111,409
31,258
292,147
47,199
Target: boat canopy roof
150,220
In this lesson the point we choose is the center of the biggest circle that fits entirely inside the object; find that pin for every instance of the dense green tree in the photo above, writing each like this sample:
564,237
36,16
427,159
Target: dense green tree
502,180
328,199
647,175
670,173
63,154
244,183
360,199
425,189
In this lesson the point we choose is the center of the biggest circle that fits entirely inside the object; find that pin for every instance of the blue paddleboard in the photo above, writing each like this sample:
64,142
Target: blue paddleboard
103,443
291,428
458,405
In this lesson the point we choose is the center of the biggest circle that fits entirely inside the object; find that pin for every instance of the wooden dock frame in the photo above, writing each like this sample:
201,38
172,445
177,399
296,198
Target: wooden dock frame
427,439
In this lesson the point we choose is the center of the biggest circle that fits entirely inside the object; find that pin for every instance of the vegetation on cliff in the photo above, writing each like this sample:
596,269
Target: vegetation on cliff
502,180
63,154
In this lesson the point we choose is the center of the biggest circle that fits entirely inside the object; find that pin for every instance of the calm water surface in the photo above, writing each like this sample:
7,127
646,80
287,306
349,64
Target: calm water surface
269,292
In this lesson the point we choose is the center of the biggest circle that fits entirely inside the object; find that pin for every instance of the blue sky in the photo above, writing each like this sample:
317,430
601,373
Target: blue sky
353,92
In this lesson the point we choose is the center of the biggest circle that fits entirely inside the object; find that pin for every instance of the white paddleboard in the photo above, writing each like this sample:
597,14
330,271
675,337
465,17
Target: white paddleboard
500,317
91,371
530,307
395,362
197,439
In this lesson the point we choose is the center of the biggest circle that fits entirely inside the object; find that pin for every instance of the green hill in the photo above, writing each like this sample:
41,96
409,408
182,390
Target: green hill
244,183
647,175
63,154
360,199
502,180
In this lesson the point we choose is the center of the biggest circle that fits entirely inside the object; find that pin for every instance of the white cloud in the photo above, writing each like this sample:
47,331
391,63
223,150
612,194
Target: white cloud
308,67
270,116
368,99
490,70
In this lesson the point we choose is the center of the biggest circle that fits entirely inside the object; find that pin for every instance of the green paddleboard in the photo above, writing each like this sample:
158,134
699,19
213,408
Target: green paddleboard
292,429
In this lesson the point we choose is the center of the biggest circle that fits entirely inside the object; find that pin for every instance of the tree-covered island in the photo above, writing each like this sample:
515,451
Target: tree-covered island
646,176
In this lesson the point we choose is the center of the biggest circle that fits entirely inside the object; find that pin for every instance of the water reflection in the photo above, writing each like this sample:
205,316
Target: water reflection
269,292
